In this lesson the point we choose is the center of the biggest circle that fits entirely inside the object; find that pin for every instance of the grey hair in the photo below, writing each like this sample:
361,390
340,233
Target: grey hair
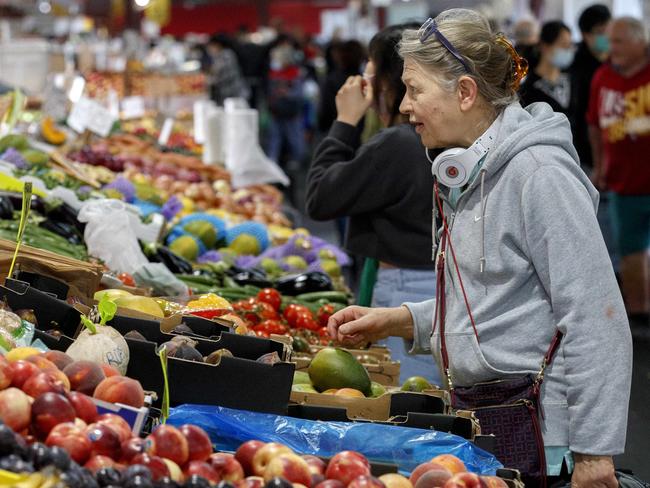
489,62
635,28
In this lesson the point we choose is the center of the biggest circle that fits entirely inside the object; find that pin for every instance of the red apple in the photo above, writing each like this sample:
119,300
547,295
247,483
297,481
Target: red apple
6,373
494,482
246,452
155,464
199,444
132,447
366,482
60,359
451,462
251,482
48,410
98,462
72,439
84,376
53,381
120,389
316,464
330,484
424,467
464,480
105,441
289,466
15,409
203,469
433,478
264,455
118,424
84,407
22,371
345,467
170,443
394,480
227,467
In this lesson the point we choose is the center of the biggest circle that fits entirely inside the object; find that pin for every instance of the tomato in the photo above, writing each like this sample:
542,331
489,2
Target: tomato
324,314
126,279
266,311
322,332
242,305
306,321
262,333
272,327
292,311
270,296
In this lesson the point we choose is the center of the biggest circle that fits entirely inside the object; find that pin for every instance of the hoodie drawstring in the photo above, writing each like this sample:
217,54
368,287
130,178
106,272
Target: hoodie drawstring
483,206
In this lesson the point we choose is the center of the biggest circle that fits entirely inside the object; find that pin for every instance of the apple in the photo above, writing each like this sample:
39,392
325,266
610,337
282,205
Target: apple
464,480
424,467
53,381
84,376
202,469
451,462
346,466
433,478
494,482
155,464
366,482
394,480
246,452
58,358
264,455
21,371
118,424
98,462
170,443
330,484
71,438
120,389
316,464
6,373
15,408
199,444
227,467
48,410
289,466
132,447
104,440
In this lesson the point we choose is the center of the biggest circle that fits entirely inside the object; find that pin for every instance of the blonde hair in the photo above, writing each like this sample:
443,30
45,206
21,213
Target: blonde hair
488,58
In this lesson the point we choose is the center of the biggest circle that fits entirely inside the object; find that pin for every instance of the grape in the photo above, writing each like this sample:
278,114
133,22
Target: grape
60,458
8,442
196,481
137,470
139,482
166,483
40,455
15,464
225,484
108,476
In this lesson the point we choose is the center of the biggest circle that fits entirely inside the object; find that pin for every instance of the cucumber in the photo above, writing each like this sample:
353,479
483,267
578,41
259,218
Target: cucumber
332,296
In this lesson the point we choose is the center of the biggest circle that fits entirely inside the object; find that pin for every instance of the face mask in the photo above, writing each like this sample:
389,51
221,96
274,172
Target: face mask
562,58
601,44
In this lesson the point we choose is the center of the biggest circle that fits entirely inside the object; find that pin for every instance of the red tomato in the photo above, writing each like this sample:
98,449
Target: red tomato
272,327
270,296
323,332
292,311
262,333
306,321
324,314
266,311
126,279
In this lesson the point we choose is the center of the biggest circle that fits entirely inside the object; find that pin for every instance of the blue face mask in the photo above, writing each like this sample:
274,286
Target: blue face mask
562,58
601,44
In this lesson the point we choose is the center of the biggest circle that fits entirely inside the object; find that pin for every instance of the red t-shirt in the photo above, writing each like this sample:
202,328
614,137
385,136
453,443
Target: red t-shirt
620,108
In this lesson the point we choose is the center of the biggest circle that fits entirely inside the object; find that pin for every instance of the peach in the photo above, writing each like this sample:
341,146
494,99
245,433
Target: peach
433,478
331,391
47,381
109,370
346,466
451,462
264,455
200,445
49,410
494,482
251,482
289,466
21,371
423,468
316,464
203,469
156,465
98,462
6,373
330,484
41,362
170,443
15,409
104,440
227,467
71,438
120,389
133,447
394,480
118,424
84,407
175,472
84,376
246,452
59,358
464,480
350,392
366,482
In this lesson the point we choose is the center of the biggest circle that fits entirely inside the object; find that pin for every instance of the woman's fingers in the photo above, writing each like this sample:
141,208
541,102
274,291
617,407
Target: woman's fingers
341,317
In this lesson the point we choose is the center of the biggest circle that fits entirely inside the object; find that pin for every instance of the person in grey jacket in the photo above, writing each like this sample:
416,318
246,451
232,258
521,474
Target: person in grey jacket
528,249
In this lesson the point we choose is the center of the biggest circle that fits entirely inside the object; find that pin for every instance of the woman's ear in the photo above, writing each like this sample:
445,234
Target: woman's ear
467,93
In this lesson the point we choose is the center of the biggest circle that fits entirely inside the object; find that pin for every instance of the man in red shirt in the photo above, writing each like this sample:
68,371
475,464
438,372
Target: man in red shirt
619,132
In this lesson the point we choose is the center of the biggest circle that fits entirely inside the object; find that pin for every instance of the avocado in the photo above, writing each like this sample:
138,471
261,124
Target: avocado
377,389
301,378
16,141
337,368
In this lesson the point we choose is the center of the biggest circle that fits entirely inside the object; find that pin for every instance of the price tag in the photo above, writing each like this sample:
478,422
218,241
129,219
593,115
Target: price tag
133,107
88,114
166,131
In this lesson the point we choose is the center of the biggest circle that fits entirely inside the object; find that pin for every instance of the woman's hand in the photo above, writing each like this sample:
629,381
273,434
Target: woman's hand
593,472
356,325
353,100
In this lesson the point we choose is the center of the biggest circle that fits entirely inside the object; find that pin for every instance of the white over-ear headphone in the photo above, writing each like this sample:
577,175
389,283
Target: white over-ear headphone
453,167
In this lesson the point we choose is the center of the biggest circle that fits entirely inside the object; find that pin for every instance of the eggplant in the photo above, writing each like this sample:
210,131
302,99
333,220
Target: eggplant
248,277
64,229
160,254
6,208
312,281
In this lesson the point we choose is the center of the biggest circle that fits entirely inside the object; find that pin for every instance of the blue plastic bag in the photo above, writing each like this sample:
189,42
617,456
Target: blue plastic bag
404,446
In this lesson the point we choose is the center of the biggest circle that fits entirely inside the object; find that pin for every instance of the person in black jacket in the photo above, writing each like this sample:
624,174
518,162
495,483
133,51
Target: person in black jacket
384,186
591,53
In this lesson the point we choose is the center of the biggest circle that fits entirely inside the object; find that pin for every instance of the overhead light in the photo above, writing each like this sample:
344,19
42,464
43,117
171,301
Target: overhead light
142,3
44,7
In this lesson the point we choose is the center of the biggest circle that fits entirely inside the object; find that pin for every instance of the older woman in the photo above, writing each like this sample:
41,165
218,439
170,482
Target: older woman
524,256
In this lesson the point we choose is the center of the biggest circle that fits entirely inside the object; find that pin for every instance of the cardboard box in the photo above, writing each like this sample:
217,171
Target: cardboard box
385,373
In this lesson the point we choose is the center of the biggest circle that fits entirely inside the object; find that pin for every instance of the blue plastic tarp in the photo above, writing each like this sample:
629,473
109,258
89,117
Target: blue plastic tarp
404,446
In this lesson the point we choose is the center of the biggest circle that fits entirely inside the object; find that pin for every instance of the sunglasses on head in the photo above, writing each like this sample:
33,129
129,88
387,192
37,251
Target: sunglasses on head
430,28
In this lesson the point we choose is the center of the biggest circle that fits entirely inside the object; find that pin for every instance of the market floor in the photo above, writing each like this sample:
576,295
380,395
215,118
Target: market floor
637,455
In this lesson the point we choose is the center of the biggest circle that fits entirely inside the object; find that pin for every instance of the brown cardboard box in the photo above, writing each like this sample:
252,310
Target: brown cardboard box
385,373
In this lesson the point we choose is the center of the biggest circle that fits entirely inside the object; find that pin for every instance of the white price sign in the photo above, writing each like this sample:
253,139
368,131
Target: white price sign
133,107
166,131
88,114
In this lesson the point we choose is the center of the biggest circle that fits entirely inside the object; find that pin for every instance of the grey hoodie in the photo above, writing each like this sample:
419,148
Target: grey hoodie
531,214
